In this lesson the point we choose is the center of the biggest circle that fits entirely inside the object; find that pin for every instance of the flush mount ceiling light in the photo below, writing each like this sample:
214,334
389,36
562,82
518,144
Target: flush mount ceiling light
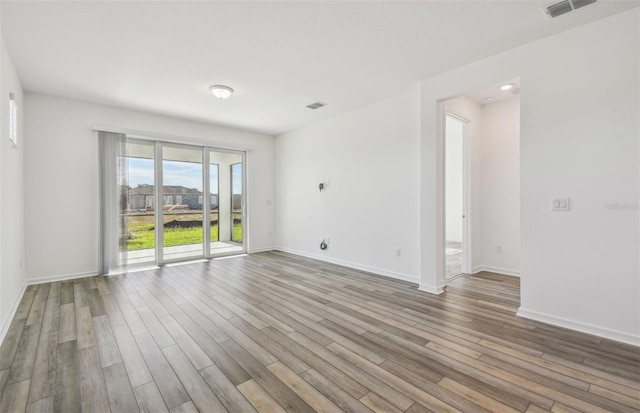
221,91
508,86
489,98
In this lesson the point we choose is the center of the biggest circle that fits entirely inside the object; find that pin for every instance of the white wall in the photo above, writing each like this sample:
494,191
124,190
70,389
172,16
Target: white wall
61,179
579,138
12,272
371,206
454,185
499,215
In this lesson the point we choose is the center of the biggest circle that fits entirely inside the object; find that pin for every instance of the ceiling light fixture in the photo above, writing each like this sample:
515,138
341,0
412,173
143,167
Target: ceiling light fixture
489,98
508,86
221,91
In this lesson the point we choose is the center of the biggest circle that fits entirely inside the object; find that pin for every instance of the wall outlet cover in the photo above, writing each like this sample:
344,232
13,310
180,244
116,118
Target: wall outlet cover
560,204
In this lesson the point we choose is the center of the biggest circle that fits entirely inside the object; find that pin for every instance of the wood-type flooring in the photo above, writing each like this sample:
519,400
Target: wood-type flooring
274,332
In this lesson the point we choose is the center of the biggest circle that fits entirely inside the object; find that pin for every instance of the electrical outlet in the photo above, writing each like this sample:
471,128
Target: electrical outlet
326,240
499,249
398,252
560,204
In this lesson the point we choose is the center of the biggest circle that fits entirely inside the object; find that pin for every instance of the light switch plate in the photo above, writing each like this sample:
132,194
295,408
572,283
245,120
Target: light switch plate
560,204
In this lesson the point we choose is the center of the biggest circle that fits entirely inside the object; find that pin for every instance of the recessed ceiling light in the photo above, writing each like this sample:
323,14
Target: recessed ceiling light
508,86
489,98
221,91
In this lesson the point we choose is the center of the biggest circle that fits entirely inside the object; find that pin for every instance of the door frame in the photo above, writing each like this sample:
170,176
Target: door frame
467,266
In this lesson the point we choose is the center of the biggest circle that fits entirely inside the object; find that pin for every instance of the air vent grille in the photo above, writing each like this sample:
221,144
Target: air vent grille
565,6
316,105
558,9
581,3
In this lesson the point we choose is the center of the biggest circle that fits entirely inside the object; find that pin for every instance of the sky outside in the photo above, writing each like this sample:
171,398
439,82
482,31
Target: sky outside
187,174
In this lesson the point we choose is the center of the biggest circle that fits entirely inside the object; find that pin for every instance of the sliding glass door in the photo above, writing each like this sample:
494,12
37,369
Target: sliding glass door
197,210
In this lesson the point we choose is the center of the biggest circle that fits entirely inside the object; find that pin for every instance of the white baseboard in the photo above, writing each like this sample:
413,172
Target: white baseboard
255,250
580,326
431,289
7,321
54,278
498,270
356,266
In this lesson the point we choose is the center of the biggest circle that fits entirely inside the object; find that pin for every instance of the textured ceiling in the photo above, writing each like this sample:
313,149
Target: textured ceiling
161,57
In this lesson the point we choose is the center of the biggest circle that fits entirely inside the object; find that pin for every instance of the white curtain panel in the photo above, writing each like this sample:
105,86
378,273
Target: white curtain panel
113,178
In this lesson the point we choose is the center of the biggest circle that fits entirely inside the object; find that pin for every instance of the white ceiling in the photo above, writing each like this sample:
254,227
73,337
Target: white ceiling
495,93
162,57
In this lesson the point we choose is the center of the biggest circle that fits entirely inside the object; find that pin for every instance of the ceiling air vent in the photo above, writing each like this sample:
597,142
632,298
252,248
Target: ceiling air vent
581,3
565,6
558,9
316,105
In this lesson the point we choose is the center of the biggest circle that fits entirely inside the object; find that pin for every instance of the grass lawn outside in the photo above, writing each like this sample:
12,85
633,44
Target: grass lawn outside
142,236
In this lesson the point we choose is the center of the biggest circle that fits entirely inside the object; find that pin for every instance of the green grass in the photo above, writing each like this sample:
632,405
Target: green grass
237,232
142,236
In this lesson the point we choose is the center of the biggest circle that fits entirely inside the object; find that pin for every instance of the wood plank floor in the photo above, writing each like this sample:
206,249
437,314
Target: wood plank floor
273,332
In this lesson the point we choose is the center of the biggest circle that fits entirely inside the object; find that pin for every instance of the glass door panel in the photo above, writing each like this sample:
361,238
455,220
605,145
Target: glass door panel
213,195
183,203
137,177
236,202
226,188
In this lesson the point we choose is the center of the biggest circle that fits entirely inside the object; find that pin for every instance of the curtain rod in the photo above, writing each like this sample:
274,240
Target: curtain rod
167,138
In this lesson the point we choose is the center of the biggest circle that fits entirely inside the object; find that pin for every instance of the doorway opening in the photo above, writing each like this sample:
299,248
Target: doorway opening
480,201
